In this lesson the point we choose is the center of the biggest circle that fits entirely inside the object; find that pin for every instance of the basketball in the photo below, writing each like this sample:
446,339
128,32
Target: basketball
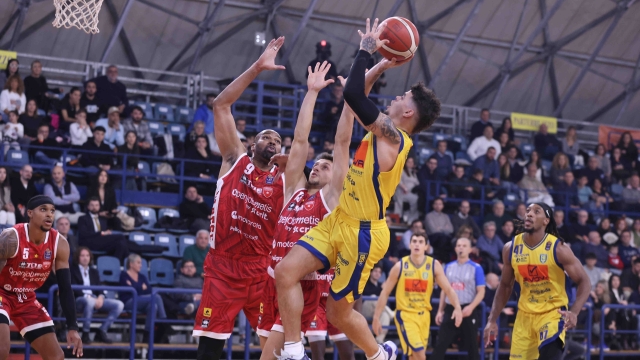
403,38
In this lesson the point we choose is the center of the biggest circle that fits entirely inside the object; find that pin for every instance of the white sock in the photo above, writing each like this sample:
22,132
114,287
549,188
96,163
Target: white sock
380,355
295,349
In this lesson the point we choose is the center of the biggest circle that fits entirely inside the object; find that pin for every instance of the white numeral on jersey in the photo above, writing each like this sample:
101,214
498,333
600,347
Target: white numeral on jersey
249,169
25,253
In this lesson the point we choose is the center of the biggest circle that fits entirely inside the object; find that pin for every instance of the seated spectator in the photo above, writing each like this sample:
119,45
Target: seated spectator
140,127
89,300
445,162
505,128
111,92
535,158
482,189
604,226
31,120
570,143
439,229
416,228
505,170
563,229
636,232
516,171
12,98
492,281
595,246
328,147
536,191
195,211
192,136
64,194
70,106
631,194
332,110
64,226
592,172
311,157
628,148
197,252
580,229
49,156
7,210
374,288
595,273
100,187
429,183
620,166
566,192
547,145
203,169
630,278
113,130
36,87
505,144
134,278
584,191
22,189
481,144
489,166
461,217
11,69
188,279
624,319
204,113
131,149
604,163
599,194
241,125
507,231
80,131
559,168
498,215
628,253
12,133
521,211
94,144
458,185
600,296
89,102
406,192
489,244
620,225
477,129
615,261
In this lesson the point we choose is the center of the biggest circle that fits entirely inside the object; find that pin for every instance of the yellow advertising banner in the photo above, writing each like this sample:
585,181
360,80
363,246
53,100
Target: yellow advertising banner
530,122
5,56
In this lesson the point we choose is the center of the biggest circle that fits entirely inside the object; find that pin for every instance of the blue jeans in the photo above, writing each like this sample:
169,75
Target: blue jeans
87,304
144,307
41,158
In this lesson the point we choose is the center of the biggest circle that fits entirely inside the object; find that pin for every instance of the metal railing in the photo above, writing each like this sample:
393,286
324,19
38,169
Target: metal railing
604,330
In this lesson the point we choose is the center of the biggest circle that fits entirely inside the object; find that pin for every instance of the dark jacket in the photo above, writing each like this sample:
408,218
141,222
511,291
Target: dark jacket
20,195
184,282
477,129
48,142
192,210
76,279
110,94
36,88
566,194
86,229
133,157
203,166
87,160
110,201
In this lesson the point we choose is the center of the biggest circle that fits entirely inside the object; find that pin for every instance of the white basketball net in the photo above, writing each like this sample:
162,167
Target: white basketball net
82,14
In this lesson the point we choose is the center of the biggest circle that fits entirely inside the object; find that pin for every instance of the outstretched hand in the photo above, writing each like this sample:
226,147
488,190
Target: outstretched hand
268,57
316,80
74,340
370,40
394,62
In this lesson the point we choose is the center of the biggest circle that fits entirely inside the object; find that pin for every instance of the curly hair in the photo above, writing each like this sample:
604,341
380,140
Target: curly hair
428,107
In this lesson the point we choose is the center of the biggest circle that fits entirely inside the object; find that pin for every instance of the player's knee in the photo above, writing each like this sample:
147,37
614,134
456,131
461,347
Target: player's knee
54,355
284,274
4,350
334,314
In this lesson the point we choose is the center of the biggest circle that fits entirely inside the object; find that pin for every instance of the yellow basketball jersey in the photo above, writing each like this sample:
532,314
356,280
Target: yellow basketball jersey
541,281
415,285
366,192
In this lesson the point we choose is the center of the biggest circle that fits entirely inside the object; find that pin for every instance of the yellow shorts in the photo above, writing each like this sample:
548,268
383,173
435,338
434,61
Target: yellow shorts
352,246
414,330
533,331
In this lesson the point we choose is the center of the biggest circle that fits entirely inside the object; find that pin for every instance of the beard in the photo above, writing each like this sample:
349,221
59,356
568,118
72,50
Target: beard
263,153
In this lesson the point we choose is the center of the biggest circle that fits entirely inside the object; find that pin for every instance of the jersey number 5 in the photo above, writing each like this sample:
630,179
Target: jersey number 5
25,253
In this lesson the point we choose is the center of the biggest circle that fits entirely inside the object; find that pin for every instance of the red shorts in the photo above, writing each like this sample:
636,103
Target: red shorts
222,299
321,327
268,308
27,316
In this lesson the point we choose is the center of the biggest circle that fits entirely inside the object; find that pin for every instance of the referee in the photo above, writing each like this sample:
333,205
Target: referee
467,280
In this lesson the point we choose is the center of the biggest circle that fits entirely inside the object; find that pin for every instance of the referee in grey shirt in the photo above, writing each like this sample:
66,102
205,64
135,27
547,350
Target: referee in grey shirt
467,280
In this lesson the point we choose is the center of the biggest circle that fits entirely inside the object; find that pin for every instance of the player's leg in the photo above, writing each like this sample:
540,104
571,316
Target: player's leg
273,345
318,347
524,338
418,355
5,337
550,328
44,341
267,312
341,314
552,350
345,349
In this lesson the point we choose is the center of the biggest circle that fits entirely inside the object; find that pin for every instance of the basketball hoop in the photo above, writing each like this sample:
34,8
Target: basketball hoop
82,14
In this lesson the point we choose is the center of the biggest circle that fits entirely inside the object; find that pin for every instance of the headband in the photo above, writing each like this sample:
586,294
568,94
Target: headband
548,211
38,200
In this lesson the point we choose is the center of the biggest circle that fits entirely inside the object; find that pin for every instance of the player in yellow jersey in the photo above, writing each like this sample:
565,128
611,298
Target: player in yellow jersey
538,262
355,236
415,275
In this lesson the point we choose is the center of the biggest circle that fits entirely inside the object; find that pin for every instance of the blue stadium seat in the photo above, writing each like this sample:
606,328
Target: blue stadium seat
463,155
184,114
170,243
156,128
41,112
185,241
438,137
527,149
140,238
163,112
109,269
149,216
461,140
147,107
425,154
161,272
124,209
616,191
17,158
168,212
143,167
144,269
66,159
177,129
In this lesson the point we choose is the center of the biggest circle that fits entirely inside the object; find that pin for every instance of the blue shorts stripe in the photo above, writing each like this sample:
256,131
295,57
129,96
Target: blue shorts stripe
555,336
364,244
376,182
318,254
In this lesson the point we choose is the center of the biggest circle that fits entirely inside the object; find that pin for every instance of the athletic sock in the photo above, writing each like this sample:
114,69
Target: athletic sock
294,349
380,355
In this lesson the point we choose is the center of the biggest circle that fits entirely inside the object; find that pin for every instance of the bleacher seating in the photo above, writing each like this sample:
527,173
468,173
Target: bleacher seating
141,238
169,242
161,272
17,158
163,112
144,269
184,114
109,269
147,108
186,240
156,128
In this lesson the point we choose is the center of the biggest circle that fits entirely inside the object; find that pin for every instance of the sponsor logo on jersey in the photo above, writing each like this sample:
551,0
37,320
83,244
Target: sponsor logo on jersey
26,265
428,266
261,308
292,206
269,180
0,300
206,312
425,275
7,287
361,154
362,257
47,254
309,205
547,247
543,258
205,323
456,285
46,264
267,191
406,265
244,179
413,285
274,243
534,273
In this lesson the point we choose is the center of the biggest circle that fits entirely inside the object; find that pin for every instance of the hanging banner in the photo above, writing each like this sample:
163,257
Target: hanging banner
609,135
5,56
530,122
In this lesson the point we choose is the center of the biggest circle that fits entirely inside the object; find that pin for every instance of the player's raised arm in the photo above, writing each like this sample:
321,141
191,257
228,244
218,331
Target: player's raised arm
575,270
503,292
294,172
67,299
387,288
443,282
8,246
225,130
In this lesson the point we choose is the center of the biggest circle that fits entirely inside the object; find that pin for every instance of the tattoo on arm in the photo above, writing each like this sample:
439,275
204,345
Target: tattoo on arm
384,127
368,44
8,244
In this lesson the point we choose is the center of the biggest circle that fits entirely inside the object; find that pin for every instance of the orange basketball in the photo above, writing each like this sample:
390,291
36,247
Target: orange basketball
403,38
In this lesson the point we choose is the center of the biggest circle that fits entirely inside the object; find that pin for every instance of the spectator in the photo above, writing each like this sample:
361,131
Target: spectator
192,136
516,171
492,280
584,192
203,169
113,130
595,246
491,245
462,217
22,189
70,106
481,144
465,232
7,210
140,127
505,128
13,133
547,145
373,287
241,126
535,158
559,167
505,144
599,194
498,215
100,187
80,131
49,156
64,194
563,229
505,174
64,226
521,211
630,278
580,229
198,251
89,300
429,182
628,253
188,279
328,146
416,228
595,273
311,157
604,163
620,225
11,69
615,261
96,144
438,222
134,278
570,144
636,232
566,192
195,211
204,113
458,185
332,110
12,97
406,192
89,102
621,167
628,147
593,172
445,162
489,166
536,191
132,150
478,183
36,87
624,318
477,129
506,232
31,120
111,92
631,194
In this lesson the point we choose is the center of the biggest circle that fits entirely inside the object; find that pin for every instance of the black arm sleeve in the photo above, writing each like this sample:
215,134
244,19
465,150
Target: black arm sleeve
67,301
354,95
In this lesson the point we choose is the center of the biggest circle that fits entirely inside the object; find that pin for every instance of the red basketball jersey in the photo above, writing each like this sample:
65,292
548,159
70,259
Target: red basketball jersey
30,266
301,213
243,218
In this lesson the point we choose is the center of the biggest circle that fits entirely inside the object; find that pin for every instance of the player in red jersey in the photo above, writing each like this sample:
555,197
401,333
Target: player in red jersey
27,254
308,202
248,200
